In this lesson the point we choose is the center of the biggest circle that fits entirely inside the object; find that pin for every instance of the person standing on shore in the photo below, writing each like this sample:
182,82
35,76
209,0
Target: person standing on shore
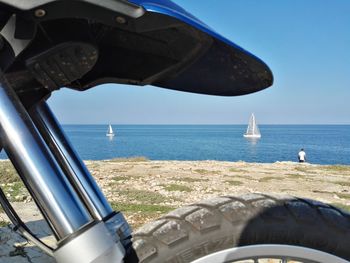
302,156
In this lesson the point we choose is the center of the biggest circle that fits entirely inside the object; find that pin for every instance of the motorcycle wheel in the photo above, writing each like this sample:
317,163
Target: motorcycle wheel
251,228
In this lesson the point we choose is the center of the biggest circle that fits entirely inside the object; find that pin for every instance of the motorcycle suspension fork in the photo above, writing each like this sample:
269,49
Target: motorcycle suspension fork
69,160
77,172
59,183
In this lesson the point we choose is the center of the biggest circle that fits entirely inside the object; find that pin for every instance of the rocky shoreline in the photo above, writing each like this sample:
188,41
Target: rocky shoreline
145,190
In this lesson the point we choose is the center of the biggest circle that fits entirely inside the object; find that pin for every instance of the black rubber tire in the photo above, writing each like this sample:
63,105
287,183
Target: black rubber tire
191,232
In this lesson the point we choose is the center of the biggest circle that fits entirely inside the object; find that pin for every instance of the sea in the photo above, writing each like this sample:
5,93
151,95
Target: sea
323,144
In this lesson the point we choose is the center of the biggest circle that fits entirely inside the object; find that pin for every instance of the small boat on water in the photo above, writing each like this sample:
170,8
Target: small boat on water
252,129
110,132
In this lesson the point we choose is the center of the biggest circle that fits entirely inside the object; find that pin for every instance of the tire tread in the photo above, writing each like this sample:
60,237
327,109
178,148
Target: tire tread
207,217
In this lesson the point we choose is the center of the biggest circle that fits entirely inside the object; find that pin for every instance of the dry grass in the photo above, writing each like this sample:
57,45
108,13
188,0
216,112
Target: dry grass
296,176
305,170
337,168
120,178
177,187
141,208
191,179
269,178
8,173
342,195
142,196
234,182
235,170
206,172
342,183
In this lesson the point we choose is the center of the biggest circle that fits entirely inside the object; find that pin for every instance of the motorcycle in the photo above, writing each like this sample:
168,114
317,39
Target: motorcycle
49,44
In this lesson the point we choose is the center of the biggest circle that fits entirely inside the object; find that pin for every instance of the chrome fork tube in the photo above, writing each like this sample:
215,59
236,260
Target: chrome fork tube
70,161
53,193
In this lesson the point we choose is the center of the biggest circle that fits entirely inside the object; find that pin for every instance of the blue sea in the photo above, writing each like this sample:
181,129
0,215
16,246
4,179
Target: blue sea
324,144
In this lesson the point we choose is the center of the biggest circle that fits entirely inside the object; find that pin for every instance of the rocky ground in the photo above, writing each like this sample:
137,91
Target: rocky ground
145,190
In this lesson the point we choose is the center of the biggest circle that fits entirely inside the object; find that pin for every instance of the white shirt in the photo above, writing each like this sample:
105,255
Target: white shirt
302,155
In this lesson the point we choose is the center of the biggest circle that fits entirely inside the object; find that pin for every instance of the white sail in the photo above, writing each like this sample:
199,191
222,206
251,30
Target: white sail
252,129
110,132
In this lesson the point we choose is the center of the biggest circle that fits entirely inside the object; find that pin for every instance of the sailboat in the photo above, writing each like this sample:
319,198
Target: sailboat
110,132
252,130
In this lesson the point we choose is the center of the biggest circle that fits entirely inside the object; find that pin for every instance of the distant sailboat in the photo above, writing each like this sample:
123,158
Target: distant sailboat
110,132
252,130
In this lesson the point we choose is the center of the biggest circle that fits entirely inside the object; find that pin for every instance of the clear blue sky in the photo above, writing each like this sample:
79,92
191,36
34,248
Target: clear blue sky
306,43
